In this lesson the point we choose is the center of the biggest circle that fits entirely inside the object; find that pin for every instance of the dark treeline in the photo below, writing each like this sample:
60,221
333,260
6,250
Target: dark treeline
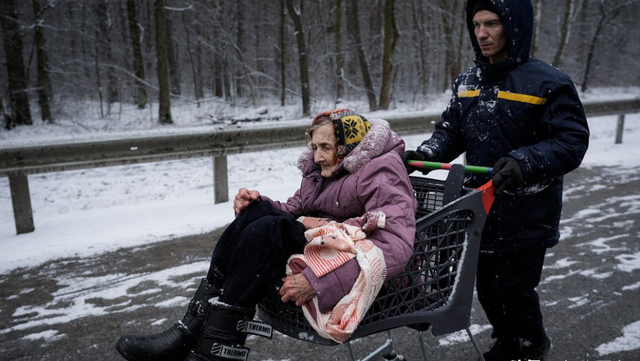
61,52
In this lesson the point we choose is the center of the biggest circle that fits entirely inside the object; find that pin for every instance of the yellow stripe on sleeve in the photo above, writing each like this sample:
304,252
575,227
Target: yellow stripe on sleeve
522,98
468,93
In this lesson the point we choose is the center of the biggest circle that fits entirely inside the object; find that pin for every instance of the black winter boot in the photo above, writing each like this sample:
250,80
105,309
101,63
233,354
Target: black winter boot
504,349
224,333
173,344
535,350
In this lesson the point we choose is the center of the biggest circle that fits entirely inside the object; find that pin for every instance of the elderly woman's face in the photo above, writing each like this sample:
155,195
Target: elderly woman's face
325,148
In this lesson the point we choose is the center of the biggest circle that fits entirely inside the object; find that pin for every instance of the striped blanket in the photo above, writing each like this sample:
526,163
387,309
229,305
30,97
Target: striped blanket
329,247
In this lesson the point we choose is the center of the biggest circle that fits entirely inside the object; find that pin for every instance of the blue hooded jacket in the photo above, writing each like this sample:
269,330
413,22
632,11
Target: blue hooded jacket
520,107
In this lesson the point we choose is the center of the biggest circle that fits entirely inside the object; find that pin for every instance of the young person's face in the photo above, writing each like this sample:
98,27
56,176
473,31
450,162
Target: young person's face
490,35
324,144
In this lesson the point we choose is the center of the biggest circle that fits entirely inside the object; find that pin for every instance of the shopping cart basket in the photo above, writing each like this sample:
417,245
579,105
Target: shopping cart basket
435,291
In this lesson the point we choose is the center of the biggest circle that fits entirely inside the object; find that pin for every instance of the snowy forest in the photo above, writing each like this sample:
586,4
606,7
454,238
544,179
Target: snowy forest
64,53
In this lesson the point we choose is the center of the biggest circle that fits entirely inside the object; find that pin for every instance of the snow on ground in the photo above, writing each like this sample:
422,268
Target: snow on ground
87,212
628,341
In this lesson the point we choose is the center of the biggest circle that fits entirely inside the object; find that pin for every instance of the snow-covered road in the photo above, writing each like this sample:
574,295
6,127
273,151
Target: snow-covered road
75,308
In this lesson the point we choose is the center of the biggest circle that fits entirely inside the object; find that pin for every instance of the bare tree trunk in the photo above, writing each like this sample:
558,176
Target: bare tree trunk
564,36
462,35
584,31
73,51
391,36
339,55
303,56
218,51
104,40
172,53
149,41
197,86
437,66
422,49
3,115
226,79
218,75
44,68
257,37
537,25
18,97
85,47
592,46
242,78
449,23
198,61
164,115
283,72
98,76
138,65
374,10
353,27
239,78
227,71
200,38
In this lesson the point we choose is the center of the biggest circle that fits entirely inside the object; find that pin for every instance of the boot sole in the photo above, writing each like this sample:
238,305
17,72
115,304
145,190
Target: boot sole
122,350
120,347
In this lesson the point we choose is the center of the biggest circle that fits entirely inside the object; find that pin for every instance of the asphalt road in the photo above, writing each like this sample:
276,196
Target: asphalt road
75,309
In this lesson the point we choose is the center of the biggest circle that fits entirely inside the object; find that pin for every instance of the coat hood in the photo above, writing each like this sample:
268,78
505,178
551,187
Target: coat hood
517,19
379,140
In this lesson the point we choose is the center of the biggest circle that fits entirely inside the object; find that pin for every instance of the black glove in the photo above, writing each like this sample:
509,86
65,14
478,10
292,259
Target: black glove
414,155
506,174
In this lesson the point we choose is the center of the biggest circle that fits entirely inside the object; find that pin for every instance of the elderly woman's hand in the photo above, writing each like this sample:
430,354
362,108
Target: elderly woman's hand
243,199
296,288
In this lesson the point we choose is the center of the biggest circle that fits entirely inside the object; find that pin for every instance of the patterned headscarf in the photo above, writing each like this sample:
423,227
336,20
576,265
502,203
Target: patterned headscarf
351,128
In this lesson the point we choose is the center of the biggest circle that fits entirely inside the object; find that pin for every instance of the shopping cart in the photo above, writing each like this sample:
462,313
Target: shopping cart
436,289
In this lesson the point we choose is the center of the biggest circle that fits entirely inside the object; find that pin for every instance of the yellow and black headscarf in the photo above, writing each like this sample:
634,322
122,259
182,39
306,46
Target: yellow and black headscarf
351,128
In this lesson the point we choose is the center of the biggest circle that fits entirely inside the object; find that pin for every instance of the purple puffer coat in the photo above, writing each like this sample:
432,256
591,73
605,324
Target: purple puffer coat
371,177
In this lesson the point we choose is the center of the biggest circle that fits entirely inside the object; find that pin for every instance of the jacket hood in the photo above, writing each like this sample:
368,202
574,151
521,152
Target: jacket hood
379,140
517,19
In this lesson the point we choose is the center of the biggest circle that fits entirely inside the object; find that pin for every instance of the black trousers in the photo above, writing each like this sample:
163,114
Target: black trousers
252,252
506,285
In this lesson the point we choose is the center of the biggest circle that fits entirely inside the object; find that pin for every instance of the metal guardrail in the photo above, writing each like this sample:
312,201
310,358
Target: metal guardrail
18,162
56,157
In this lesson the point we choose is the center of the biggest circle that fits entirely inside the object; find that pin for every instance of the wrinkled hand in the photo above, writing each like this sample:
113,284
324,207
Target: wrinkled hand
296,288
243,199
506,174
414,155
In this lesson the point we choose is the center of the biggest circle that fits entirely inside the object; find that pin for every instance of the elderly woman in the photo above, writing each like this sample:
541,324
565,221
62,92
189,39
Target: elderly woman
353,168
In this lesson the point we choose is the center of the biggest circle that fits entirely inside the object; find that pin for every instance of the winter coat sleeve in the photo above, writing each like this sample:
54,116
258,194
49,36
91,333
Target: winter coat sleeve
383,185
293,205
567,140
446,141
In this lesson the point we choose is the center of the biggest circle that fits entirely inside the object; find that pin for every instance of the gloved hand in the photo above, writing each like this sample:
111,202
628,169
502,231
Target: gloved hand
506,174
414,155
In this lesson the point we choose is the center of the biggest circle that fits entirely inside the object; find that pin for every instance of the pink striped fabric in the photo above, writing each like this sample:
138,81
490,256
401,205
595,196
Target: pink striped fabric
329,247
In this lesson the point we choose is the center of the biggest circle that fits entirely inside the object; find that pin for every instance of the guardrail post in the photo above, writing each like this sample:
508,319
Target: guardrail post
19,186
220,180
620,128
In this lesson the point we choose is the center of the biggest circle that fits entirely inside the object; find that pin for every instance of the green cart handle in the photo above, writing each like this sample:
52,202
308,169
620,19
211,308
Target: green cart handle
447,166
487,190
